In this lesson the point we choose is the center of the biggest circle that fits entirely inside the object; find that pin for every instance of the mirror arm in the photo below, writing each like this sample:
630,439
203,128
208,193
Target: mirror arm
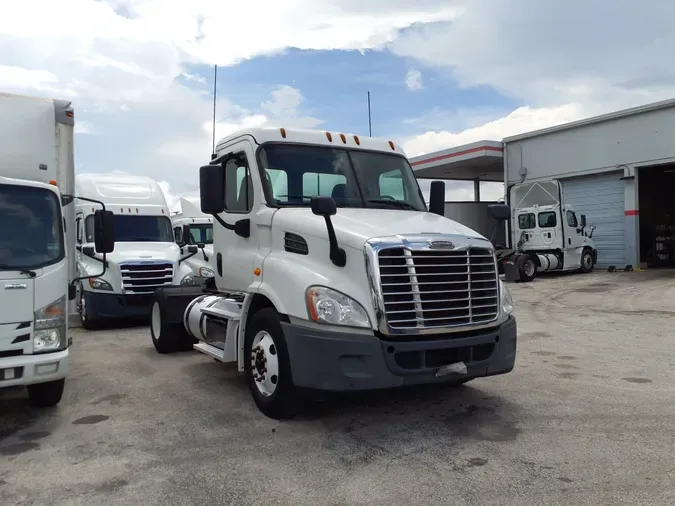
71,197
243,233
105,268
337,254
181,260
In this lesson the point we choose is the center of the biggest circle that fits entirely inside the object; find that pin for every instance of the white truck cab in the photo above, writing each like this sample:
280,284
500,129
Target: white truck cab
36,250
193,231
549,233
332,274
145,258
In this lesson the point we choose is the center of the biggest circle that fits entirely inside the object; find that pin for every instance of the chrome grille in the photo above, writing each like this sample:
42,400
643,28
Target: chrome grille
426,289
145,278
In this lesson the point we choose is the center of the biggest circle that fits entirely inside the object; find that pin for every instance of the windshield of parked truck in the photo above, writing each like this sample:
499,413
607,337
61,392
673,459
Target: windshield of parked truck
354,178
31,228
133,228
201,234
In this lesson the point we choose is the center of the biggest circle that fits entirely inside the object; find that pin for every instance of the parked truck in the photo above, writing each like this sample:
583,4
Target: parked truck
329,276
146,255
193,231
546,234
36,248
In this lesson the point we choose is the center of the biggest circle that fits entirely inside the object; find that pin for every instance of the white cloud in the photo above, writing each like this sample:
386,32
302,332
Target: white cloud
523,119
413,80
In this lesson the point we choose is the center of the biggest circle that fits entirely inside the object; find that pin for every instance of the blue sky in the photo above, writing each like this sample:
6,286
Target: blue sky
139,72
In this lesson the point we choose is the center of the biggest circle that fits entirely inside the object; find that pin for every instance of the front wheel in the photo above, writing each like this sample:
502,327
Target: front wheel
268,367
587,261
46,395
87,320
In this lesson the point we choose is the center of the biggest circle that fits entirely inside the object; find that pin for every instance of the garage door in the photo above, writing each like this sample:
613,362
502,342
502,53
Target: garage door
601,198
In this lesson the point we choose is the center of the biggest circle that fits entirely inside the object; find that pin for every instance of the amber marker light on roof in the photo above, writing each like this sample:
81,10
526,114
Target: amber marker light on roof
283,132
329,137
391,145
356,139
344,139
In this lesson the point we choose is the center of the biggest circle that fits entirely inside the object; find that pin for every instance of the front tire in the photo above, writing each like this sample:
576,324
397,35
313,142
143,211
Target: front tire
268,367
87,320
46,395
587,261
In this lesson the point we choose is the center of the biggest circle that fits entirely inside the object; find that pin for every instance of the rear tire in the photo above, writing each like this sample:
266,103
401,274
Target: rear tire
165,336
46,395
268,367
587,261
527,268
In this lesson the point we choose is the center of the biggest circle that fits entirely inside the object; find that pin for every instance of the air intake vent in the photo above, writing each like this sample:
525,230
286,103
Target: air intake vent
293,243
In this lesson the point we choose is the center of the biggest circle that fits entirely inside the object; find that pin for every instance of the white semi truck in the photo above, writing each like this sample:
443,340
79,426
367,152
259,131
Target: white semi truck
36,248
146,255
331,274
193,231
546,234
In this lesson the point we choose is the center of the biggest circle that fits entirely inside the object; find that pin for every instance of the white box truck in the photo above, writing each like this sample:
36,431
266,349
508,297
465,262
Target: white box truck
36,187
332,274
193,231
146,255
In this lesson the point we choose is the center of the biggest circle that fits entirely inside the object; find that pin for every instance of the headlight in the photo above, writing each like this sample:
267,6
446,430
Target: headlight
506,300
188,280
52,315
48,340
205,272
328,306
99,284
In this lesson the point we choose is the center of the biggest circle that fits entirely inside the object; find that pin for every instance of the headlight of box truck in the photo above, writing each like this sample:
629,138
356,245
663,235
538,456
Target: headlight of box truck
50,327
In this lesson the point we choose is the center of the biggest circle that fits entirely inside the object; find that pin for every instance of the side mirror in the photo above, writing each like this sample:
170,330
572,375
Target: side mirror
212,189
192,249
323,206
185,234
88,250
582,220
201,245
104,231
499,212
437,198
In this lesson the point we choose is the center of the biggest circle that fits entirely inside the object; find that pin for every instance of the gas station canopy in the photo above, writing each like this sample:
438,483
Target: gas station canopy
478,161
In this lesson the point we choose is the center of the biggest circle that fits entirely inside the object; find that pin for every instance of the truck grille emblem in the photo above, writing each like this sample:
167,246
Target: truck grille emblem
440,245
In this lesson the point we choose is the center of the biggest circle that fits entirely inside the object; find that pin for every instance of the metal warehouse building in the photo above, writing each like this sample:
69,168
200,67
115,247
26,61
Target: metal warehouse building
618,169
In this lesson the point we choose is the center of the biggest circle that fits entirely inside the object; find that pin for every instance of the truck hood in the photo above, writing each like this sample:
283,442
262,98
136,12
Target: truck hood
354,227
128,251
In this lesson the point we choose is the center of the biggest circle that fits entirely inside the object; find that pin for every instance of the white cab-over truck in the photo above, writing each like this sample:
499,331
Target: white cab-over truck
193,231
332,275
36,216
146,255
546,234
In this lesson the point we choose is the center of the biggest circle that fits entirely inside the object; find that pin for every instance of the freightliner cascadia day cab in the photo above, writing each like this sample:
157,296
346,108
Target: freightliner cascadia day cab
193,231
146,255
332,274
36,244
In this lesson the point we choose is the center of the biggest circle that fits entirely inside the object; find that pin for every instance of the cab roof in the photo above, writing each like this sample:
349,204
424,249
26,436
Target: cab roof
317,137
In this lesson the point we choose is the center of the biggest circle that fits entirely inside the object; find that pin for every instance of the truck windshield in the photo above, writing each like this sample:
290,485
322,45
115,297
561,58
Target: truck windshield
31,228
129,228
354,178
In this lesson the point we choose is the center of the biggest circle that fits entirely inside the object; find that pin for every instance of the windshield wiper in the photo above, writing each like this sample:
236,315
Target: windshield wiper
27,272
396,203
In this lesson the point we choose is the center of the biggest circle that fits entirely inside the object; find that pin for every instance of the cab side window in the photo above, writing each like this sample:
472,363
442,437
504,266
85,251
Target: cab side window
572,219
547,219
526,221
238,185
178,234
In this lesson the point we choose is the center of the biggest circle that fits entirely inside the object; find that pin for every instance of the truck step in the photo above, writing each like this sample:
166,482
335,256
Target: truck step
212,351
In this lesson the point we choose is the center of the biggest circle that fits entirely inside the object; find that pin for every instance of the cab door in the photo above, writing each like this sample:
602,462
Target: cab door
574,239
236,256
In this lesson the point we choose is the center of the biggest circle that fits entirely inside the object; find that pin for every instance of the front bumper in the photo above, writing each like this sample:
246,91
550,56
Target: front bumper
343,361
115,305
32,369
